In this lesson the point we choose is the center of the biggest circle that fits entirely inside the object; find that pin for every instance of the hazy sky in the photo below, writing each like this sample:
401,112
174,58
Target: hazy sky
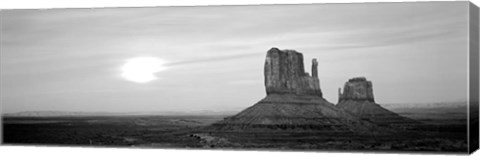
71,59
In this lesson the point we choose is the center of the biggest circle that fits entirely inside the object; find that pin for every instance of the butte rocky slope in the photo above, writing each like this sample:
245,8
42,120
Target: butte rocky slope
357,98
294,102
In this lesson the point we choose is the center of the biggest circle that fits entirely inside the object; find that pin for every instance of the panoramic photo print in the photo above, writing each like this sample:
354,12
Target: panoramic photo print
389,77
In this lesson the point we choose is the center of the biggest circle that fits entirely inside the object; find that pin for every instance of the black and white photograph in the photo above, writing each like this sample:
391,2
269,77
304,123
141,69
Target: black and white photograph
357,77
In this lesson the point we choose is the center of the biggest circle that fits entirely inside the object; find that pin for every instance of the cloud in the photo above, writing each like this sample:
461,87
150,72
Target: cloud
245,82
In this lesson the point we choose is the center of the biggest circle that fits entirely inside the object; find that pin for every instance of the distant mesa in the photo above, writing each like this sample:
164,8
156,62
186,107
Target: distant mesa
294,102
357,89
357,98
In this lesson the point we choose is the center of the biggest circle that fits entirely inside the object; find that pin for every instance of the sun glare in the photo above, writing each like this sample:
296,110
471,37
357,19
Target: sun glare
142,69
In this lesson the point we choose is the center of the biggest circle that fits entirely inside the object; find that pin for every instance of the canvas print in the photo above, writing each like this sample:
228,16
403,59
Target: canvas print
379,77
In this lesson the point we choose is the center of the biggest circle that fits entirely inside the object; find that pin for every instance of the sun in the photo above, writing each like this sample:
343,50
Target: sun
142,69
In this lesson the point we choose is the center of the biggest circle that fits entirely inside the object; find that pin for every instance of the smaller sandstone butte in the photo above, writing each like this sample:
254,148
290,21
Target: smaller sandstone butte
357,98
357,89
285,74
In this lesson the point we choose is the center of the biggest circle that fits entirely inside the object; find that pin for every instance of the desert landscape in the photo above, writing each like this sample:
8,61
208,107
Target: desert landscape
292,116
438,133
369,77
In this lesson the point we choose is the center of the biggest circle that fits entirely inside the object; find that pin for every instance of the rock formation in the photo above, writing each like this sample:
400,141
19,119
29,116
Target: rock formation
357,98
357,89
285,74
294,102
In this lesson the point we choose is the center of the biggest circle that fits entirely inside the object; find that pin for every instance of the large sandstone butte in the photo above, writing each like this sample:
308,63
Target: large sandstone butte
294,102
357,98
285,74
